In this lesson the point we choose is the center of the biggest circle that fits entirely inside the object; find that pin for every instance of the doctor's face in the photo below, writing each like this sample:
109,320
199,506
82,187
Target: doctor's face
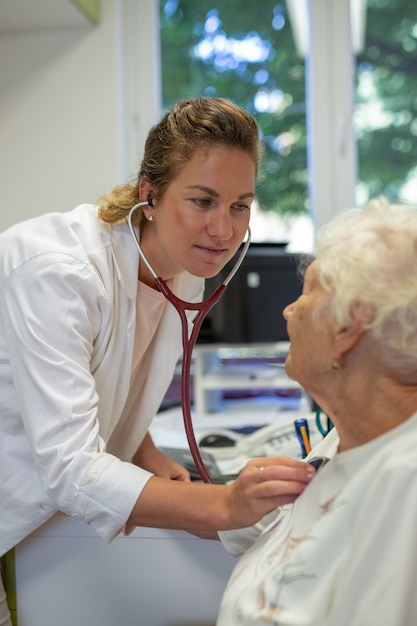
203,215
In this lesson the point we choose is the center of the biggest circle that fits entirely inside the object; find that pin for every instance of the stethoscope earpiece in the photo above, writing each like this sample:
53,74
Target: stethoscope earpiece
150,202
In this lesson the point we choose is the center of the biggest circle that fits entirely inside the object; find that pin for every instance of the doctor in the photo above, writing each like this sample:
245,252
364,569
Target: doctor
88,344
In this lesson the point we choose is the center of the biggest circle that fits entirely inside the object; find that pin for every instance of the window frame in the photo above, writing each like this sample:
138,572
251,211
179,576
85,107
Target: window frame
332,153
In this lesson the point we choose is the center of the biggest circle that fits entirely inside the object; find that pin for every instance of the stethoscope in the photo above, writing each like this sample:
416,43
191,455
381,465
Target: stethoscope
323,430
188,343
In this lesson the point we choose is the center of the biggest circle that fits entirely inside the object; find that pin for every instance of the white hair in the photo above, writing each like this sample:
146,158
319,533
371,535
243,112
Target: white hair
369,257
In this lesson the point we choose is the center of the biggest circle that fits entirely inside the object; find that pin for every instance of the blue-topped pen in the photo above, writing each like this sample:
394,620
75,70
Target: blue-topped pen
303,434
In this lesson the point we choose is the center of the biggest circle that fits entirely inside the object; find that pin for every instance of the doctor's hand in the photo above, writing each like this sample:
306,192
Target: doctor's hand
167,468
201,508
264,484
150,458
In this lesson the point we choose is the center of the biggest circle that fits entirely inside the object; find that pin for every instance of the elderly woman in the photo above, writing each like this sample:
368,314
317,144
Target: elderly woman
345,553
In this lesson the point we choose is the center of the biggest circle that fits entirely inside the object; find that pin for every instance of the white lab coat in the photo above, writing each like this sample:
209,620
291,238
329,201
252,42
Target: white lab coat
68,287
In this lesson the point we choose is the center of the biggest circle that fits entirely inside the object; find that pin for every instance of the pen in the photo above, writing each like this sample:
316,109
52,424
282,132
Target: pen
301,428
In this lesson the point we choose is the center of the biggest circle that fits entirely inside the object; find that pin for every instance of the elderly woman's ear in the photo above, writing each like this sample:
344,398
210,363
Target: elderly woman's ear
347,337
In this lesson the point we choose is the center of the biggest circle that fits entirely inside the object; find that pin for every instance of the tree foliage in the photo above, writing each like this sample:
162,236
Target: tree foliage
244,50
387,67
277,72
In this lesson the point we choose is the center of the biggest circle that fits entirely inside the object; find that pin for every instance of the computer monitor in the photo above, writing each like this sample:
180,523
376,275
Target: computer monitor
250,310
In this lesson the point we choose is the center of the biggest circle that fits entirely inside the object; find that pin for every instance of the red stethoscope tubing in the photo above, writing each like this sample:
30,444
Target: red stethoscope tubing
188,342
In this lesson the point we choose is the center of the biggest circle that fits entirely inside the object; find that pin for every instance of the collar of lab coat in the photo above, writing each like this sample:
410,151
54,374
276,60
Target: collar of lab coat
126,258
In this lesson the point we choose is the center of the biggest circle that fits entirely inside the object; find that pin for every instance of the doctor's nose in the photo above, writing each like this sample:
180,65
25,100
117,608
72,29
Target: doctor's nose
220,225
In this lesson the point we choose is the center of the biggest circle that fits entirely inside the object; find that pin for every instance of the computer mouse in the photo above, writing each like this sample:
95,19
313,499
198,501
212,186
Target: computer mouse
217,440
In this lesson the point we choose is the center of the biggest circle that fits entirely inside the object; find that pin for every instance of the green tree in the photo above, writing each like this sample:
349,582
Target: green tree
387,97
232,49
244,50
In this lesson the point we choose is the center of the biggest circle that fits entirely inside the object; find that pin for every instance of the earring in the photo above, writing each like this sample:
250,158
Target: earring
151,218
336,365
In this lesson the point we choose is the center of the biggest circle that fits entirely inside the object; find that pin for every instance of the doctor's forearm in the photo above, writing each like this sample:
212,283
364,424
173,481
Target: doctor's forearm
146,448
189,506
181,506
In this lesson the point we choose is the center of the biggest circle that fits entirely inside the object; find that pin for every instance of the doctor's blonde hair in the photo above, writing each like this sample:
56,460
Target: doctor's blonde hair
190,125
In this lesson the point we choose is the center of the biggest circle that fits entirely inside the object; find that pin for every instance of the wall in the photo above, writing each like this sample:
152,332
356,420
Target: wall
70,122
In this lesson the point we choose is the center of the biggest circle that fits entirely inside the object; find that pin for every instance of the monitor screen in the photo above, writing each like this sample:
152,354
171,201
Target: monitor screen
250,310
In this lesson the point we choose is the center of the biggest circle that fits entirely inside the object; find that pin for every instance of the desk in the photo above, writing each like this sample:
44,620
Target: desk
67,576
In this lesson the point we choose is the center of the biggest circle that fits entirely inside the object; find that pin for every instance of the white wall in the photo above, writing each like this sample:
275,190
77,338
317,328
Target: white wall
71,124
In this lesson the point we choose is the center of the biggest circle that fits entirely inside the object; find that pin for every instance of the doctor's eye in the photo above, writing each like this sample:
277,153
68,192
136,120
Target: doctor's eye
240,207
204,203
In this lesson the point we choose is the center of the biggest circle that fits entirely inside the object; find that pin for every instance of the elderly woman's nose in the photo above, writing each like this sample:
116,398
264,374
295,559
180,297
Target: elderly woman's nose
288,310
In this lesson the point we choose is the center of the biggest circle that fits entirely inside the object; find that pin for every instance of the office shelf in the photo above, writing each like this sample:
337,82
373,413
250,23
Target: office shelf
221,369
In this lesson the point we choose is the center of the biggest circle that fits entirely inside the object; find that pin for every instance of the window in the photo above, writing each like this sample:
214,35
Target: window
232,49
386,102
337,109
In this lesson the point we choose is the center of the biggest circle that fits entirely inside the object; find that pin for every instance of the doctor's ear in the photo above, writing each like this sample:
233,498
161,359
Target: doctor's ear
146,191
